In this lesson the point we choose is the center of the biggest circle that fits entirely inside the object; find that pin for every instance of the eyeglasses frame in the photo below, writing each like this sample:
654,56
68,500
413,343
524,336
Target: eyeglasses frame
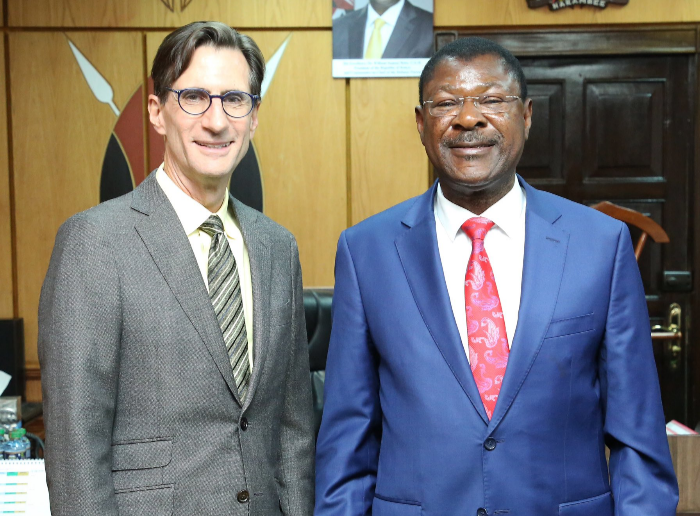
475,100
254,98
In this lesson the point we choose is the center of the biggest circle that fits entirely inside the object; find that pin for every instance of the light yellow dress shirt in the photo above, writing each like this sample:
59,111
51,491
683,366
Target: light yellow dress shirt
192,215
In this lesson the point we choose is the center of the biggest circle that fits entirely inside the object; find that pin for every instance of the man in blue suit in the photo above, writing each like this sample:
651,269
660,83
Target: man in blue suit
489,339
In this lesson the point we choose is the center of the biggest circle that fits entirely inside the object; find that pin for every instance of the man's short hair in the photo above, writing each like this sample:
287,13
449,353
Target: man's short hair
174,54
466,49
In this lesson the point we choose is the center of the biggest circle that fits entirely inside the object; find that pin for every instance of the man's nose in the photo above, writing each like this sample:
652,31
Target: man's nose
215,118
469,116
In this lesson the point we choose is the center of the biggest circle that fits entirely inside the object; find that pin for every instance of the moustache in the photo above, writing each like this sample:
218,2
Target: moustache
470,138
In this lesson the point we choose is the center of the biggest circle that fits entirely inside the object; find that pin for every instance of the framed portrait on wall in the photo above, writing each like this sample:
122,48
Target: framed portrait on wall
381,38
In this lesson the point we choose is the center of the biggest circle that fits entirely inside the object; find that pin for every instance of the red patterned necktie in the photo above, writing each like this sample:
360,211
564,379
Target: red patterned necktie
486,328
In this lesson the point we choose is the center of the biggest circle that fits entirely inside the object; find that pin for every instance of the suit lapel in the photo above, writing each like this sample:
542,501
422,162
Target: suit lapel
167,243
402,32
356,35
420,257
543,267
260,259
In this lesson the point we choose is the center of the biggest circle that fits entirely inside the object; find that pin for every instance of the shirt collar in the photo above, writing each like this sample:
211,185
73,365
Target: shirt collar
505,213
190,212
390,16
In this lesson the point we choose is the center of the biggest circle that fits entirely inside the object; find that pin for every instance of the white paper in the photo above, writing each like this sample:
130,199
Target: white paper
4,381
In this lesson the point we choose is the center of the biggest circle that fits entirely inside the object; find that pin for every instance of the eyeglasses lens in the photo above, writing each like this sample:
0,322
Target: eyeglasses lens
235,103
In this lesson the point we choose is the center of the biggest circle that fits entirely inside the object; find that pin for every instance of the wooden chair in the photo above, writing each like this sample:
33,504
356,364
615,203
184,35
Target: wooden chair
649,227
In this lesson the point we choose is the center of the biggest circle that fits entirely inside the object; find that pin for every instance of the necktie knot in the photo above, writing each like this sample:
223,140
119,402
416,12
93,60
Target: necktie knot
212,226
477,227
379,23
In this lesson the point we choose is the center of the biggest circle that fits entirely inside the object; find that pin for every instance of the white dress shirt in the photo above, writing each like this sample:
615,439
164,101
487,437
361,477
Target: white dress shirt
192,215
504,243
390,17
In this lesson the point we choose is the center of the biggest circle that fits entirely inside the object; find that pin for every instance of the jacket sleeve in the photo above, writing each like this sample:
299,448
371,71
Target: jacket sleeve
642,476
347,451
297,432
79,338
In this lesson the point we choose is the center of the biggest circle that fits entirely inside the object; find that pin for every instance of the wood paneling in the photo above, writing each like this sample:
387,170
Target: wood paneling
60,133
6,285
490,13
685,452
576,41
168,13
388,162
300,143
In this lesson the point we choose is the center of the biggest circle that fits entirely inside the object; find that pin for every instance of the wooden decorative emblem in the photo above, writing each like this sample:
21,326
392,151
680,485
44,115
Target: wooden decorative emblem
555,5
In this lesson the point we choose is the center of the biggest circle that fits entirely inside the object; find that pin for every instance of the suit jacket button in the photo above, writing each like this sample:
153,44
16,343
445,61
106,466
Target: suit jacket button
481,512
243,496
490,445
244,424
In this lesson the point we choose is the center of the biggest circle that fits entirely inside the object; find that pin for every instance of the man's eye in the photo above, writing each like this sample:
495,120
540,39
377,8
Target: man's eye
445,103
234,98
491,100
193,96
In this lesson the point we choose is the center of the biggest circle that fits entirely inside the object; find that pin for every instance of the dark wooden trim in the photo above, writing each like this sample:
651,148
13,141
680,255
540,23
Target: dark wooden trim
692,352
11,177
32,373
577,41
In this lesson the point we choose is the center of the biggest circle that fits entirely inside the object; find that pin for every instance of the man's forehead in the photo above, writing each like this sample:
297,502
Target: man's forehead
483,72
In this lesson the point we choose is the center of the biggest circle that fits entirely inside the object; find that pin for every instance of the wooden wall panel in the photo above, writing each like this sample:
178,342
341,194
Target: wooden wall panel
168,13
6,285
60,133
300,143
388,161
490,13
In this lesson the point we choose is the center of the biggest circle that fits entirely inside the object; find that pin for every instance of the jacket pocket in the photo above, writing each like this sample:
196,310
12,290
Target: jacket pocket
150,501
570,326
601,505
140,464
384,506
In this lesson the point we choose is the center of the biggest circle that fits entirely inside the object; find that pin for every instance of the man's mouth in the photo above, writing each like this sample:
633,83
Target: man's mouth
213,145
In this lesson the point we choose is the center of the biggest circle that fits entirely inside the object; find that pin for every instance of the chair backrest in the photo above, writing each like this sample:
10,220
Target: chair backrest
649,227
317,309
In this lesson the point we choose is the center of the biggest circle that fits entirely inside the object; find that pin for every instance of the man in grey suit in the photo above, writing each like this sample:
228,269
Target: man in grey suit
403,31
171,328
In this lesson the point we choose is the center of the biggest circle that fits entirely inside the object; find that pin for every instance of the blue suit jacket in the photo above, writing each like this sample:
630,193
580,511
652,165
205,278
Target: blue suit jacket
404,431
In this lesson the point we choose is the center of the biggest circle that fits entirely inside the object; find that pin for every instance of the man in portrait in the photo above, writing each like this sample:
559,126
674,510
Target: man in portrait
489,340
172,341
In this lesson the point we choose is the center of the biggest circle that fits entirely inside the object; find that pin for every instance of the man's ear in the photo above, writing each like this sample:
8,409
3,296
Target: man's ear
254,119
155,114
420,123
527,115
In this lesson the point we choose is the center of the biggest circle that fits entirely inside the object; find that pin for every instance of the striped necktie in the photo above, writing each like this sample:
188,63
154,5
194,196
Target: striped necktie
226,298
374,47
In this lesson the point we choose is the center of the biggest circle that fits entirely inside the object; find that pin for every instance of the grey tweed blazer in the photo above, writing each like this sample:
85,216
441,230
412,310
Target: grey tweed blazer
140,405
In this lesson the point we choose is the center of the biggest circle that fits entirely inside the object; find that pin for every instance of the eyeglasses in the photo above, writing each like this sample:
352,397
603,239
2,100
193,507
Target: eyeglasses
488,104
195,101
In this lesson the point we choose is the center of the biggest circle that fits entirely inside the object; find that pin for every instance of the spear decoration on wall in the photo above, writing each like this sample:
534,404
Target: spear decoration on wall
98,84
271,66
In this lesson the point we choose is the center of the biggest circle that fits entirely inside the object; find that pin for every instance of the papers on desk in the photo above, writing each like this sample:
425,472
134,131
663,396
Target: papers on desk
23,488
675,428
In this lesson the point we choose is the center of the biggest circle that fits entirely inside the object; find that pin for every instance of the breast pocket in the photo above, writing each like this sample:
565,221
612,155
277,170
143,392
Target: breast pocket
139,465
383,506
570,326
